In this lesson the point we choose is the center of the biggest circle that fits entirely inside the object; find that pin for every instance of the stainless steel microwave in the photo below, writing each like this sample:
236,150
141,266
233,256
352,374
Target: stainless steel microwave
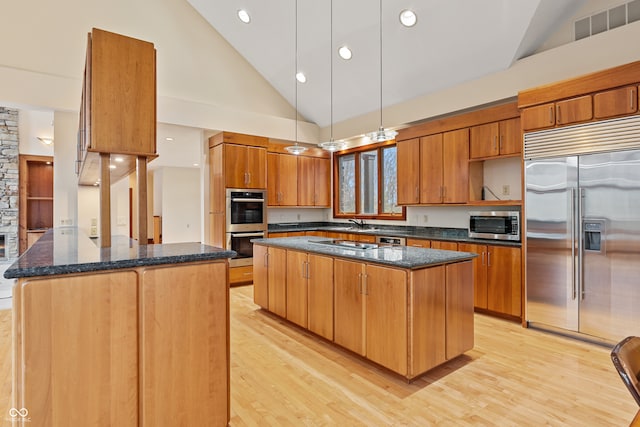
496,225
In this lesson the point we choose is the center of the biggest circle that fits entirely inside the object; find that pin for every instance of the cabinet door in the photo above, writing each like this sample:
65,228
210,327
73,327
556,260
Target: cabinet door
320,295
431,152
504,290
260,276
348,305
455,155
184,322
418,243
386,317
459,311
273,193
77,350
277,279
538,117
484,140
447,246
510,140
306,181
322,181
574,110
297,287
479,273
408,159
235,166
256,167
615,102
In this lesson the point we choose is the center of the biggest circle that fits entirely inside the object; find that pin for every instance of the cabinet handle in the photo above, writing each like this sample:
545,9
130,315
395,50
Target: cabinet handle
557,115
495,142
551,115
366,285
360,283
266,259
501,139
248,177
488,258
632,98
306,268
417,193
482,257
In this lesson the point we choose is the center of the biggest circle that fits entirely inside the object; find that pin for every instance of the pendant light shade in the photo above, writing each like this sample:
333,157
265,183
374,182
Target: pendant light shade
331,145
295,148
381,134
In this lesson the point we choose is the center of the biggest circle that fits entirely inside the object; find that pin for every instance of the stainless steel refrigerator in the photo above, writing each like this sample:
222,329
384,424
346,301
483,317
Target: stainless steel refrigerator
582,229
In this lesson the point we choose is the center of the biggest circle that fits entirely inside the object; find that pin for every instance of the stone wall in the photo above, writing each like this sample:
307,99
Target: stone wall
9,179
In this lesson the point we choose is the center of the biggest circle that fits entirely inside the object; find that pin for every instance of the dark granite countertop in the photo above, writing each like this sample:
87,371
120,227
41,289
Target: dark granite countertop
68,250
436,233
395,256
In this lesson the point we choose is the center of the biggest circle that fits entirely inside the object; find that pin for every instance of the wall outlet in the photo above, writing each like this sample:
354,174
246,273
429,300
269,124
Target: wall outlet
298,216
506,190
425,218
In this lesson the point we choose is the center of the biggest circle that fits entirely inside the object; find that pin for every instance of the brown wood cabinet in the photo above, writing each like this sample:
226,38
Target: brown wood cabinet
441,175
395,317
118,108
495,139
277,281
245,166
35,202
445,245
310,292
574,110
418,243
261,276
616,102
107,348
497,279
282,180
314,181
538,117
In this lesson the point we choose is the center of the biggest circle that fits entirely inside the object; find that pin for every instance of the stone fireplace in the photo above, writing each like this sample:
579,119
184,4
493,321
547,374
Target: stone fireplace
9,183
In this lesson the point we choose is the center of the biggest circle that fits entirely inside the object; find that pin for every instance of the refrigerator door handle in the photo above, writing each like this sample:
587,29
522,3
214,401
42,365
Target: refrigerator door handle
573,243
581,244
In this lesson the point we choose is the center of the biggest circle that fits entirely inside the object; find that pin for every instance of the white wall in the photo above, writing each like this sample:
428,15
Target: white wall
34,124
181,209
65,180
120,208
279,215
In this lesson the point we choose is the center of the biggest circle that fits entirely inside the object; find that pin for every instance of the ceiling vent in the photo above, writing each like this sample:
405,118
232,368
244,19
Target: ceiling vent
606,20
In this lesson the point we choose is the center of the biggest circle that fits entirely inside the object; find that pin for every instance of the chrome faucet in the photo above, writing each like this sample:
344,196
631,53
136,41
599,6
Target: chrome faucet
361,224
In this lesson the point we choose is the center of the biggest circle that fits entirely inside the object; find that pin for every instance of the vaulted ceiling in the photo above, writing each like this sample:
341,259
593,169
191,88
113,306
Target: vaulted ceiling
453,41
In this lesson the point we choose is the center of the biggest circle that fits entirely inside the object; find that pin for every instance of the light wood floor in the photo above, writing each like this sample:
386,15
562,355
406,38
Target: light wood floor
282,376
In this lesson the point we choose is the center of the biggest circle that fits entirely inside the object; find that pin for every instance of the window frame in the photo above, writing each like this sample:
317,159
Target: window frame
336,183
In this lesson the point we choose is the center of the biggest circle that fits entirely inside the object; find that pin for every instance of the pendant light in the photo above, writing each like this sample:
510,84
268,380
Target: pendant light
381,134
331,145
295,148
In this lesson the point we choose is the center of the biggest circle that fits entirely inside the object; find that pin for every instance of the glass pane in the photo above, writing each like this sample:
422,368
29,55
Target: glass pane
390,181
347,183
369,182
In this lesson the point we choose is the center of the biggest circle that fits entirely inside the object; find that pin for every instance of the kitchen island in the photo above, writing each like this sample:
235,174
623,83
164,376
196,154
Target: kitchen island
127,335
406,309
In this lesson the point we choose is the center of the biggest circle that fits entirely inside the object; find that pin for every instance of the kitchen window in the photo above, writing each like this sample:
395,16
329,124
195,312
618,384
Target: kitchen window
365,183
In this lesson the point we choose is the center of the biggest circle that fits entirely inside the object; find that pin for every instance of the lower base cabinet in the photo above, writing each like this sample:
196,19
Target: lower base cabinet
497,278
408,321
130,347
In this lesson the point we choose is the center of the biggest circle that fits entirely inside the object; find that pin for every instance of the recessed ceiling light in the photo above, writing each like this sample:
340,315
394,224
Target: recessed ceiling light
119,159
345,53
301,77
243,15
112,166
408,18
196,165
169,138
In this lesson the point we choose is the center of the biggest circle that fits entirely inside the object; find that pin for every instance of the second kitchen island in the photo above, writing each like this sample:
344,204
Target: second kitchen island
406,309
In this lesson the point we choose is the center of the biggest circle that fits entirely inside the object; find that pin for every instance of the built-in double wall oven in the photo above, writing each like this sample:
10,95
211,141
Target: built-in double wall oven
246,220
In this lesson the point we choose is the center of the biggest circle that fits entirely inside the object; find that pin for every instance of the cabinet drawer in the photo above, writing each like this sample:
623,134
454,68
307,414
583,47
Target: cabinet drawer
418,243
242,274
615,102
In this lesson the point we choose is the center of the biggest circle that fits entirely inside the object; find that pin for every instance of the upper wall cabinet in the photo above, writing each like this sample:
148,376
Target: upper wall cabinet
596,96
118,109
244,160
495,139
314,176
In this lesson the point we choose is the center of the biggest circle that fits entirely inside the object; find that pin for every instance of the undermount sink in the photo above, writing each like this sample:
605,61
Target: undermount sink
349,244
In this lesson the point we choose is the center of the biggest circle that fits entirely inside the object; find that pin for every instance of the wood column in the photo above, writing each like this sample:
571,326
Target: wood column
105,200
141,179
